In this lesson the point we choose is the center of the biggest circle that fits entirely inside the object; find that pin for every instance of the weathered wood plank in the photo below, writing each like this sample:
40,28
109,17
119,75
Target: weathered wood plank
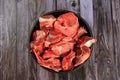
71,5
104,62
62,76
8,39
1,75
77,74
32,13
22,40
44,6
1,24
86,11
116,35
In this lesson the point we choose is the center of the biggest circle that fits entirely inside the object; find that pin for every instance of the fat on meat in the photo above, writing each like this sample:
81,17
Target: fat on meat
46,22
63,46
53,37
36,47
39,35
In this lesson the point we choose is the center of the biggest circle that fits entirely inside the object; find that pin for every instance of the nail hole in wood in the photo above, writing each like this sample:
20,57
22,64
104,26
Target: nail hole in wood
73,4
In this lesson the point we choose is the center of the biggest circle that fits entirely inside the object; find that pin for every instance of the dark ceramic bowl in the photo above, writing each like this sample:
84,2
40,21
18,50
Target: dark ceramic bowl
56,14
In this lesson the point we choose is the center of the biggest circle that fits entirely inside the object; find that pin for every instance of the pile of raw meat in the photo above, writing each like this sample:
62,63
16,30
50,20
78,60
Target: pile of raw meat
60,43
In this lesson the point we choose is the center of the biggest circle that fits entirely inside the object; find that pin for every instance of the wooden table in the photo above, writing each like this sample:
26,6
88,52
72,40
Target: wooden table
17,18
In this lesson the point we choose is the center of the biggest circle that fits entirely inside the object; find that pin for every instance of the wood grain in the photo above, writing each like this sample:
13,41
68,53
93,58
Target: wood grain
44,6
104,49
8,39
71,5
22,40
116,35
86,11
32,13
77,74
1,49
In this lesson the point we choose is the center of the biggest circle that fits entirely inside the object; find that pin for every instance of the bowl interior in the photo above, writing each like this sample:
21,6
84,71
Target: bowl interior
56,14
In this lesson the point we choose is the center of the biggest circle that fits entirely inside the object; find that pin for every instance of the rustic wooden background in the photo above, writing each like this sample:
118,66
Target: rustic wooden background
17,18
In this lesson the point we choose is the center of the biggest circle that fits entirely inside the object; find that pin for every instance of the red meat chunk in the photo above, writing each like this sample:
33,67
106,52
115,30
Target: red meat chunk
50,54
39,35
78,52
38,40
67,24
82,55
63,46
83,52
47,21
53,37
53,64
67,63
80,32
36,47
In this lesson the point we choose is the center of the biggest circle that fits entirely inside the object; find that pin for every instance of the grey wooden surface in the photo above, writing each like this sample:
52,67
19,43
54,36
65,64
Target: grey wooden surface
17,18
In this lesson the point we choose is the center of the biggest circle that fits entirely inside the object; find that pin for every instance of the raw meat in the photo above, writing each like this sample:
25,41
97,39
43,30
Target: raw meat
36,47
50,54
82,56
63,46
80,32
47,21
87,41
83,53
67,24
53,37
39,35
53,64
67,63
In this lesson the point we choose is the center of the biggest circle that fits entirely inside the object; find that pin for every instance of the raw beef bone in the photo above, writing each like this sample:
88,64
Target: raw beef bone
53,64
84,44
50,54
87,41
82,56
36,47
67,62
63,46
50,63
67,24
53,37
38,41
47,21
81,31
39,35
